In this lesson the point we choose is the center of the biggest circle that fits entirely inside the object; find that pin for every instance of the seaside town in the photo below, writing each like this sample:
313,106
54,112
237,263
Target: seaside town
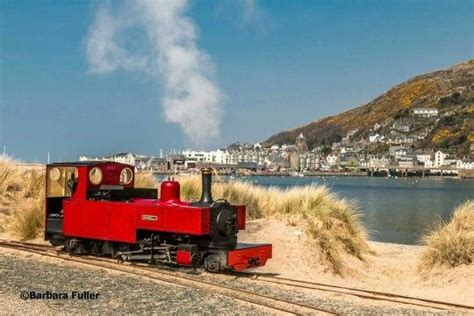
389,150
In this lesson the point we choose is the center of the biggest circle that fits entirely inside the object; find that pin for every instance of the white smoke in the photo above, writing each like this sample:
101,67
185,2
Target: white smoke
190,97
103,52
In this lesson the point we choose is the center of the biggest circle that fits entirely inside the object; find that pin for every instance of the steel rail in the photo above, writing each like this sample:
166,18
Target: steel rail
325,287
266,301
363,293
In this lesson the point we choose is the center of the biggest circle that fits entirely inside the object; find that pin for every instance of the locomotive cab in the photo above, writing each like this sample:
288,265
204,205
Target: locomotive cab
85,180
61,183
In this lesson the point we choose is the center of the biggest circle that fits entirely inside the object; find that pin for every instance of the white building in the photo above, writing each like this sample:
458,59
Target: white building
201,156
425,112
126,158
439,159
86,158
220,156
331,160
288,147
406,162
429,163
423,157
401,152
402,127
216,156
347,149
379,162
464,164
374,138
450,161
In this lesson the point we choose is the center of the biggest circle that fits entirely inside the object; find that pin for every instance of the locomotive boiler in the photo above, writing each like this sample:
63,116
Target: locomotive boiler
94,208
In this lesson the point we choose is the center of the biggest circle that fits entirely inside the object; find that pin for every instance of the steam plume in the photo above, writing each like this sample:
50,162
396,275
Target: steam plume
190,97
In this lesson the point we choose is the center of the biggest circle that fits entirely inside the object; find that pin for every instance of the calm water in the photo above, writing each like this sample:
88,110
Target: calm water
393,210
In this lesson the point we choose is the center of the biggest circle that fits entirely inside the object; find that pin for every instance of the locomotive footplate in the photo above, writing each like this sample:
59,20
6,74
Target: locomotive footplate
247,256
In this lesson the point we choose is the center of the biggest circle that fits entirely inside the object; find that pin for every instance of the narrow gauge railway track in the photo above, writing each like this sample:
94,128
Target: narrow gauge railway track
324,287
276,304
362,293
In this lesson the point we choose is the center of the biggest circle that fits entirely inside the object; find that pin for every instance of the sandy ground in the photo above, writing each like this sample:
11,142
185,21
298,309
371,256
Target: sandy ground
38,240
391,268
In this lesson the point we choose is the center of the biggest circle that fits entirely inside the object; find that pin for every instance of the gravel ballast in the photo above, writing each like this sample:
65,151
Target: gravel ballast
118,293
125,294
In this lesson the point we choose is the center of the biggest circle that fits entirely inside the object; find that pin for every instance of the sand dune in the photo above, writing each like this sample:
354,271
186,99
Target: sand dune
390,267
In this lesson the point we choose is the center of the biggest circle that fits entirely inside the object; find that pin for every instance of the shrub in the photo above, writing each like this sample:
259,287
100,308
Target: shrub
450,243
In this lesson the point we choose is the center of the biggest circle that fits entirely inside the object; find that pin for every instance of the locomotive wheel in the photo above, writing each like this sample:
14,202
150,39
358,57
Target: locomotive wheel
57,240
212,263
96,249
76,246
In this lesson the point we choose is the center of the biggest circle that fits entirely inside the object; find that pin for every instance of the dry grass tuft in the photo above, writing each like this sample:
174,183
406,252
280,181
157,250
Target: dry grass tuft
450,244
27,220
332,222
21,200
10,180
145,180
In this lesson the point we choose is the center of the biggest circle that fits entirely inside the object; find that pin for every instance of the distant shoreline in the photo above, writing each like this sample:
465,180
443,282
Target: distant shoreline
309,174
467,176
273,174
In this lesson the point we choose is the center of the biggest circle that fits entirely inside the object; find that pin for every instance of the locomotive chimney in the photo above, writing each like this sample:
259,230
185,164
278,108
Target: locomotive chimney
206,195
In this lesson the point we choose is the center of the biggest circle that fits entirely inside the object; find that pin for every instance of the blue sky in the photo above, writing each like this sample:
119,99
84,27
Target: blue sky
294,62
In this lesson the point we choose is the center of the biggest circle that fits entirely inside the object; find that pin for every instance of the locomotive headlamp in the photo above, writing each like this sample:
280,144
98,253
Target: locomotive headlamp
95,176
55,174
126,176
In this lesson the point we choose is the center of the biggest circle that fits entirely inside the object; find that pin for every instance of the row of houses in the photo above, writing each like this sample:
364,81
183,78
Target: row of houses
235,156
343,155
284,160
401,158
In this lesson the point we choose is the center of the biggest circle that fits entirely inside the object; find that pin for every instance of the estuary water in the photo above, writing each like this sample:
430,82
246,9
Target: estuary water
393,210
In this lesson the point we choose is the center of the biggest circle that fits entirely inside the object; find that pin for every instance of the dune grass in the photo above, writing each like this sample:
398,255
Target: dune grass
145,180
27,220
21,200
450,243
332,222
10,180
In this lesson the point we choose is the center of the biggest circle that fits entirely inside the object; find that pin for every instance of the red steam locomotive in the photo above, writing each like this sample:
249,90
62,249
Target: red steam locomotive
94,208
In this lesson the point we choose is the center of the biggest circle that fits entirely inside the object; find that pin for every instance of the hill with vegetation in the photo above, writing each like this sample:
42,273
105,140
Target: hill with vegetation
451,91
